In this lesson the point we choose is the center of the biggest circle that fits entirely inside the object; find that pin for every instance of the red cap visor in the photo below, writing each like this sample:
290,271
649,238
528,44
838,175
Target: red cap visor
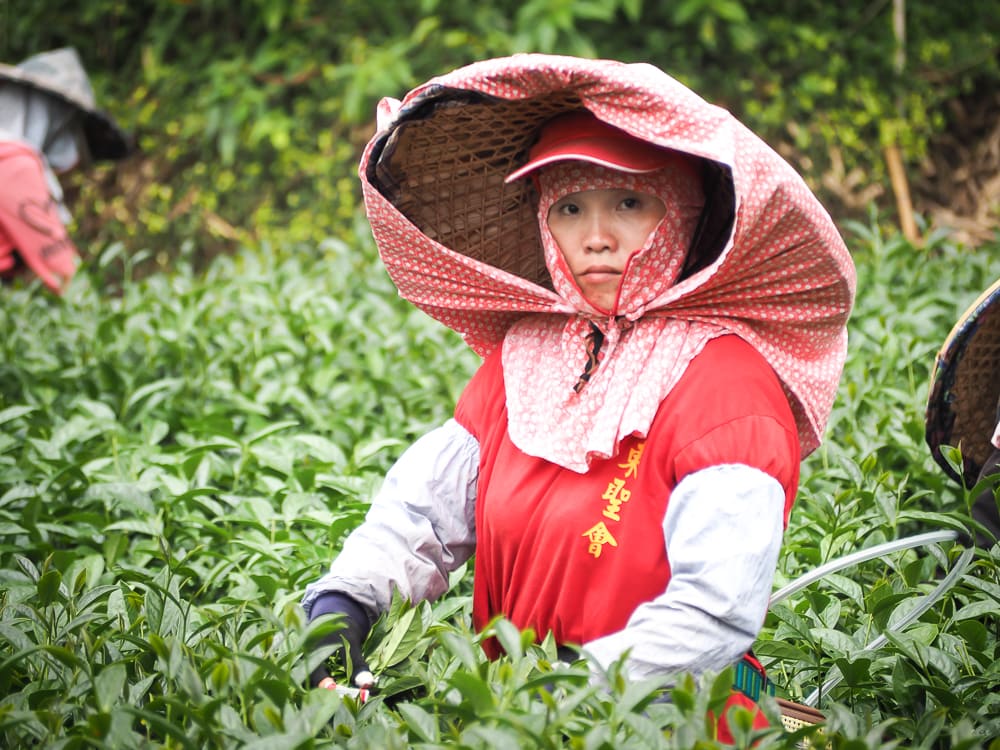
582,137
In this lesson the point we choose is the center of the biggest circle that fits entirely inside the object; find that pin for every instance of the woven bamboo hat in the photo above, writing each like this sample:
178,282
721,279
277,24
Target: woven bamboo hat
965,388
60,73
450,162
445,165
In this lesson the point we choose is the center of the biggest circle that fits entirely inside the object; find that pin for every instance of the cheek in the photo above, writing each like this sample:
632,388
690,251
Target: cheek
637,235
647,229
562,236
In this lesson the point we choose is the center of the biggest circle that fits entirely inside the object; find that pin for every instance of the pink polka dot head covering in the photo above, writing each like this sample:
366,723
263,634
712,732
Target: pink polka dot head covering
651,269
752,252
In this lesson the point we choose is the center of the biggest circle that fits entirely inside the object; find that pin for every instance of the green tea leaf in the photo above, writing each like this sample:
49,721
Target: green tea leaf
108,686
475,690
419,722
48,587
15,412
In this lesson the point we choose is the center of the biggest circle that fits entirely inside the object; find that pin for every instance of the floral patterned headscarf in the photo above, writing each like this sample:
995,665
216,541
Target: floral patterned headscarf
652,269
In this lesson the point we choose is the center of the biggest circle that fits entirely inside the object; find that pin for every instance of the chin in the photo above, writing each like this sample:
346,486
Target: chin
603,305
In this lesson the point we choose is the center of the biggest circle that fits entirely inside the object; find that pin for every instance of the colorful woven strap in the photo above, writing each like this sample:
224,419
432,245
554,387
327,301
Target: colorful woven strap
750,681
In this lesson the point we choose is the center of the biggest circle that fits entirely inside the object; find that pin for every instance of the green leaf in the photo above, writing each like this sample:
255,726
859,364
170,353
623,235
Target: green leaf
402,639
108,686
475,690
363,453
976,610
836,642
127,496
781,651
162,724
945,664
419,722
48,587
151,526
15,636
509,637
855,670
15,412
906,683
461,649
66,657
271,430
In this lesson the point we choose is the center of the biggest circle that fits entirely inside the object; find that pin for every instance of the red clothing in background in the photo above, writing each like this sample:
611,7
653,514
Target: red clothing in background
29,219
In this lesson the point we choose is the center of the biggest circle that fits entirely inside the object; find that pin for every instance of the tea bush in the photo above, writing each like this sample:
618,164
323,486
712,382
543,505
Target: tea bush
179,459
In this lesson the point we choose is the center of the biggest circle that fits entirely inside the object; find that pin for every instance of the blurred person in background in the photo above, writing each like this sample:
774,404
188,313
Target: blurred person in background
49,125
963,408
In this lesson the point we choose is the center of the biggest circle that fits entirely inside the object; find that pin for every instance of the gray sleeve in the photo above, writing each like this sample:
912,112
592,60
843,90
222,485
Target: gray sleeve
722,530
420,527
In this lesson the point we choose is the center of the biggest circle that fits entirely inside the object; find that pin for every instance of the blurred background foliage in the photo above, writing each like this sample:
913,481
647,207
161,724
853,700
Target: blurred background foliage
250,115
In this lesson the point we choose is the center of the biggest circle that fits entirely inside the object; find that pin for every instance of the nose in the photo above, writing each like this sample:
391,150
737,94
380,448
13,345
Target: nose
599,236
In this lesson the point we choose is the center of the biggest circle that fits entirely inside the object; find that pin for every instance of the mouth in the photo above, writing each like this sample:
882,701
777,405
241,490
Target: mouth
601,273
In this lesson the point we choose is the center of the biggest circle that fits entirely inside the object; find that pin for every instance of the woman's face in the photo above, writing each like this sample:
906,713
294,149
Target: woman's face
597,232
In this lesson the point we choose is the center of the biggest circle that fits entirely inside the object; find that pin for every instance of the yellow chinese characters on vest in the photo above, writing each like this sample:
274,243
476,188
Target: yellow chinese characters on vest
615,496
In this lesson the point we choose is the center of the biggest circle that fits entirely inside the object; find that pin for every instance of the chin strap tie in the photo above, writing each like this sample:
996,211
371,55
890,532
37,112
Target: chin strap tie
595,340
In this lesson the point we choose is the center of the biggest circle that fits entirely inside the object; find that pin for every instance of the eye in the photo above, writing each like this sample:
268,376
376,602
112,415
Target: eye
631,203
567,208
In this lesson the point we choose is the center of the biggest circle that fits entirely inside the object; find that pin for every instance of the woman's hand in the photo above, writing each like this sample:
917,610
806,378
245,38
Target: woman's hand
350,639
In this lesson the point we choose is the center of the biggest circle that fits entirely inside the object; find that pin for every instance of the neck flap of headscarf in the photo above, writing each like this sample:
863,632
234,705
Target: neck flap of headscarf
578,384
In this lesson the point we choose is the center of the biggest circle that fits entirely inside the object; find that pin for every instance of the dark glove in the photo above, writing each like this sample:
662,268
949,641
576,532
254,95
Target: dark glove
567,654
356,624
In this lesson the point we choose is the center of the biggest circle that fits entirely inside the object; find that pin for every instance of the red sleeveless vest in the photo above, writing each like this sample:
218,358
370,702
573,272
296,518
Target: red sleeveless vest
575,554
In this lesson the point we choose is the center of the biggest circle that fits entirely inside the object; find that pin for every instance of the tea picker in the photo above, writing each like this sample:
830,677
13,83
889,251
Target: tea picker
963,407
660,303
49,125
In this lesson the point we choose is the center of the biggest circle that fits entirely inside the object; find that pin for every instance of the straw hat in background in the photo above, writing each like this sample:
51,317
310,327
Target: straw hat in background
60,73
964,402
